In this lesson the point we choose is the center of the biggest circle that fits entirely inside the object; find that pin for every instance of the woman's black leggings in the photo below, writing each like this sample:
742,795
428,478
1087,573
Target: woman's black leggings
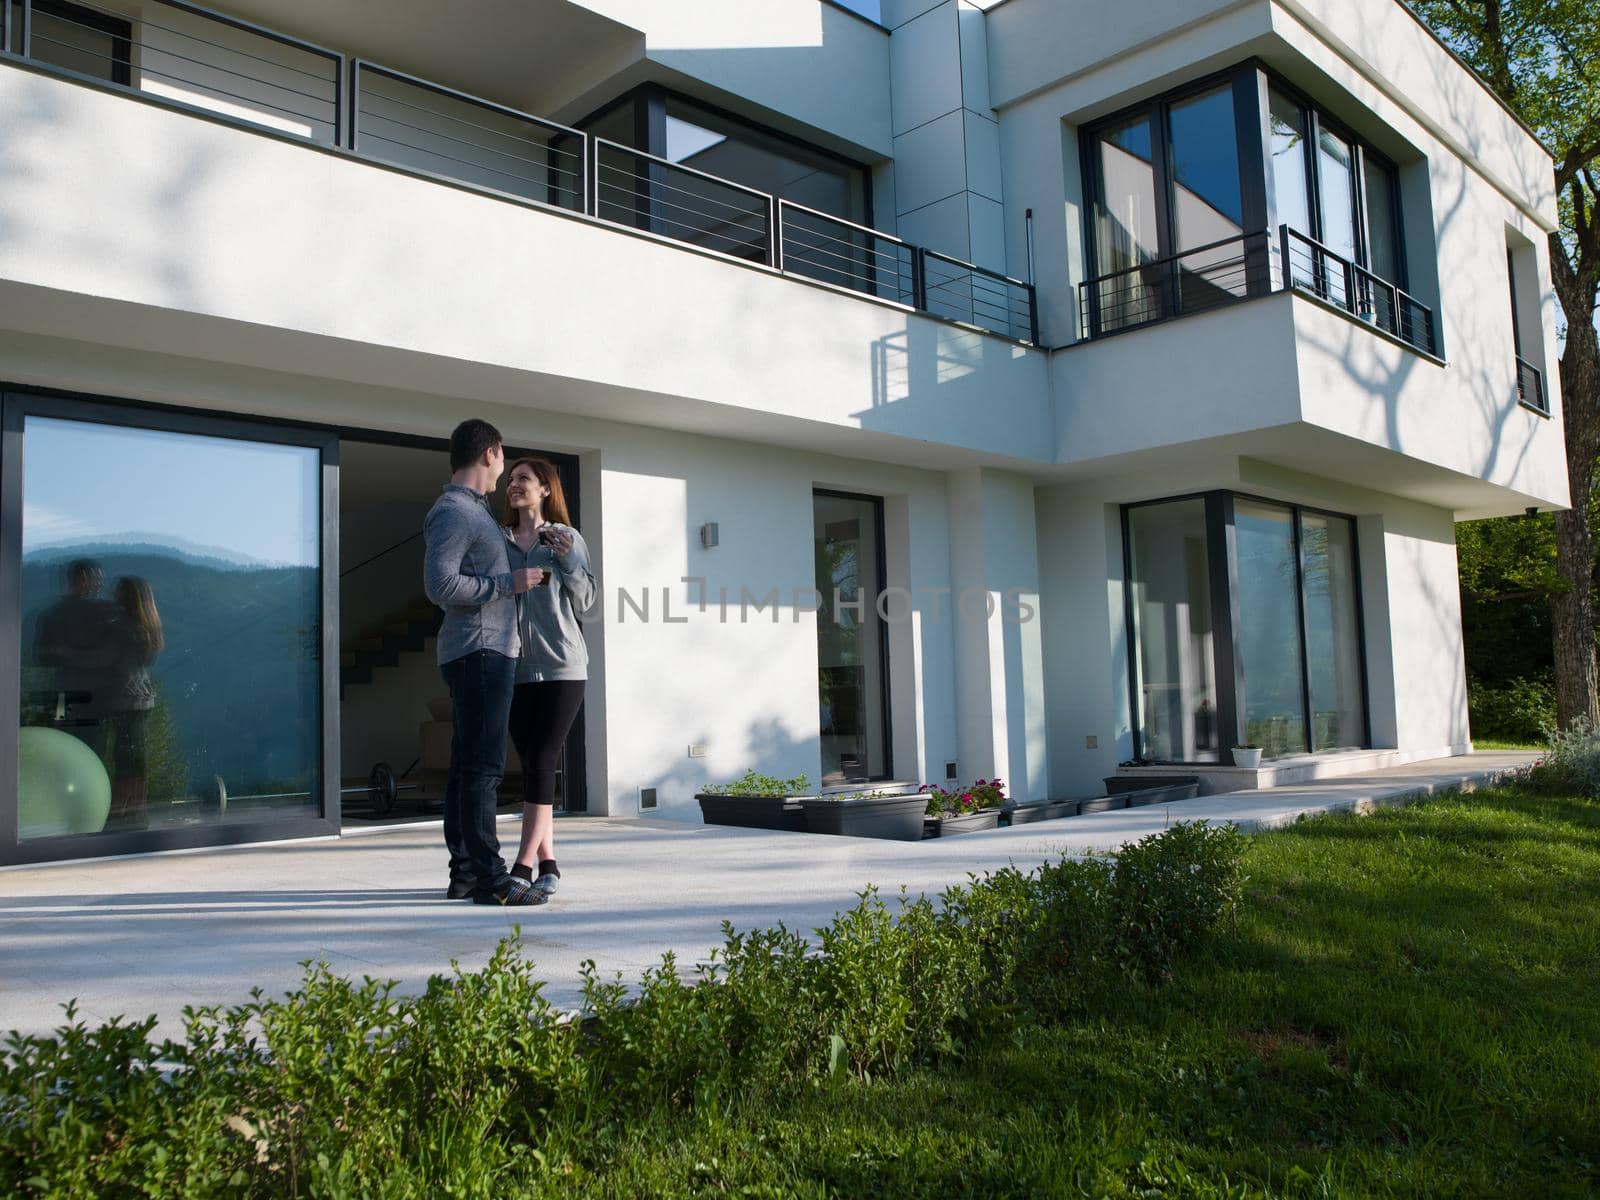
541,715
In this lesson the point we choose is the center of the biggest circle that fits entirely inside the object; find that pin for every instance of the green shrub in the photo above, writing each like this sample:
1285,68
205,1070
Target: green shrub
478,1087
1571,766
1518,711
1170,890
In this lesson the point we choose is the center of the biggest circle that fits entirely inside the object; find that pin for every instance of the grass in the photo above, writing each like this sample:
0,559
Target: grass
1407,1005
1499,744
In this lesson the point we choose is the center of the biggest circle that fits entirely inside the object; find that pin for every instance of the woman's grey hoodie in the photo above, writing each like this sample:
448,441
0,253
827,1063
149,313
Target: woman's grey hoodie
548,615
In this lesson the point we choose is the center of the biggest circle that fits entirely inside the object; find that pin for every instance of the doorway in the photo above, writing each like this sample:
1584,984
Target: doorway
852,641
394,709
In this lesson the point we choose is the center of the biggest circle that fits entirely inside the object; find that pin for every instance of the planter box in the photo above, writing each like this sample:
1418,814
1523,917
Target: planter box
987,818
1026,814
753,812
1118,784
897,818
1103,804
1162,793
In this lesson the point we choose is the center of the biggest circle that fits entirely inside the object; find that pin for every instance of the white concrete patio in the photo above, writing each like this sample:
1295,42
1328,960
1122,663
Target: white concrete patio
150,935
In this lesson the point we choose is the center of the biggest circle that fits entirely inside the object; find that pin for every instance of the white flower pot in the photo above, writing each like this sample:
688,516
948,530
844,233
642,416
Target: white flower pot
1246,758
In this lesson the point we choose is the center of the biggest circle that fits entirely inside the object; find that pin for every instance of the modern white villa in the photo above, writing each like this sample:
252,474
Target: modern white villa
1022,388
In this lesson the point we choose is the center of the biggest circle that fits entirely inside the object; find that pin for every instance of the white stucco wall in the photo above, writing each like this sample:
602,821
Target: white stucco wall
280,239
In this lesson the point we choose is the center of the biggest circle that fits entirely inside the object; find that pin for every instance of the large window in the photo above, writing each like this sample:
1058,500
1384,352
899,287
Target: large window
1187,193
1169,205
169,635
1244,621
1344,193
1175,678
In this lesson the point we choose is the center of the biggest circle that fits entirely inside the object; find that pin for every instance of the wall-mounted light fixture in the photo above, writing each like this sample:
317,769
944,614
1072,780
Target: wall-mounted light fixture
708,535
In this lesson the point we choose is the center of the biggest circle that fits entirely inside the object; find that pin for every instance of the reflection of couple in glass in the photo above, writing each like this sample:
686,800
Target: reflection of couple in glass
98,653
511,650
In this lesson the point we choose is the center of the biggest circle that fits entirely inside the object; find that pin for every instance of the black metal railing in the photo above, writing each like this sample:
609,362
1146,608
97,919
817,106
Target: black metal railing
1530,387
191,57
828,249
1204,278
199,60
434,130
832,250
1253,264
1309,266
645,192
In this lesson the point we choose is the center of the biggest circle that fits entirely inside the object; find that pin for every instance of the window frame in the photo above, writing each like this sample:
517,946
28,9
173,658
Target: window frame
1223,563
881,583
18,402
1317,119
1252,82
651,101
1157,110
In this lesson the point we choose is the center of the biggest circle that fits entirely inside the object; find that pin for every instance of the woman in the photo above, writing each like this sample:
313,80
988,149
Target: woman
554,662
137,640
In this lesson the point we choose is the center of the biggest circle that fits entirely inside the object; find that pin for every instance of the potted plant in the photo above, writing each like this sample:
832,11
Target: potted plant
1247,754
896,816
965,810
756,802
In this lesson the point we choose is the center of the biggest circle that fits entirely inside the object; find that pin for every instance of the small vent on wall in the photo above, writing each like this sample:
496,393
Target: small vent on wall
647,799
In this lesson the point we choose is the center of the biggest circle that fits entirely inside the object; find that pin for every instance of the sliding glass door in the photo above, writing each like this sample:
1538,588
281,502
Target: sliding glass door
166,573
1244,622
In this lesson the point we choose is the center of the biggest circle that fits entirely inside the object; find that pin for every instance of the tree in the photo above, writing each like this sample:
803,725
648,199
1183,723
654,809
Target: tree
1543,59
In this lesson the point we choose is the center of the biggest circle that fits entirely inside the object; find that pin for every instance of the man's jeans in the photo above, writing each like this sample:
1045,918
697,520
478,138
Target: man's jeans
481,686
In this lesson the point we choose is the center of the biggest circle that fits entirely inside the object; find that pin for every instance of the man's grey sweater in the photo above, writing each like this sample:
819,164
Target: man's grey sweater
467,573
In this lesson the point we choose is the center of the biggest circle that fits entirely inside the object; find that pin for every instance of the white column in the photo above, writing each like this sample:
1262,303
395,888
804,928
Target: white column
1000,714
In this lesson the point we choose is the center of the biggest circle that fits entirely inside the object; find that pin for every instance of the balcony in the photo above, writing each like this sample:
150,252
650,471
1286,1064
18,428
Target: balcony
215,66
1257,264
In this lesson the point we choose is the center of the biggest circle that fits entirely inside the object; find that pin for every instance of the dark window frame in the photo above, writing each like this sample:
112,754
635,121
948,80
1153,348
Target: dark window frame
879,528
17,402
1223,562
145,414
650,131
1251,81
1317,119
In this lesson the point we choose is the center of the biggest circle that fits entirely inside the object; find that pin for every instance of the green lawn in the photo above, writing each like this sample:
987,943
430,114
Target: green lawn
1497,744
1408,1005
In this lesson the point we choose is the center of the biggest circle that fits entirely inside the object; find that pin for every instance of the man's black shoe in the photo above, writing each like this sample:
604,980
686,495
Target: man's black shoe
512,892
460,890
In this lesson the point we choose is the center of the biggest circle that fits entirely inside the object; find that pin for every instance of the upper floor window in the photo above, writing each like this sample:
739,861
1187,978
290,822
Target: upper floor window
1334,188
694,135
1188,192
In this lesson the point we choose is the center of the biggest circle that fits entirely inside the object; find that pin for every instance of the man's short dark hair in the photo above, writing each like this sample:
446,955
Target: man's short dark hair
469,441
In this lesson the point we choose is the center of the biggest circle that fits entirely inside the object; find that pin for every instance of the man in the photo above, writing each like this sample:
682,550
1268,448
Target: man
467,573
75,641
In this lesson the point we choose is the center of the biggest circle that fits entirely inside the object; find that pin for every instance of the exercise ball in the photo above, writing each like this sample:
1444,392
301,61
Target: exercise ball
62,785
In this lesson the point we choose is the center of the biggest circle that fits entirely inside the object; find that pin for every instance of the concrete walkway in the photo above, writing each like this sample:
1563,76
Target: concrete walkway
150,935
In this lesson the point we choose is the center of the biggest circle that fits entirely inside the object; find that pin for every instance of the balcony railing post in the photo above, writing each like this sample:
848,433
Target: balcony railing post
25,39
341,108
919,279
774,232
5,26
1348,271
1285,263
355,102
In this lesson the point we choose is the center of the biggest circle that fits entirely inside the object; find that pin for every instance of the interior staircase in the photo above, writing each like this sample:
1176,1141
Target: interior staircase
404,631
